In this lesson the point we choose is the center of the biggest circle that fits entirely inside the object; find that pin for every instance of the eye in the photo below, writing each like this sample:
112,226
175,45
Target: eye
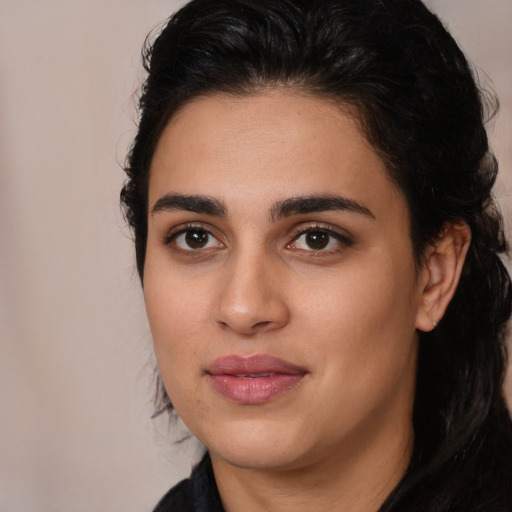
193,239
319,239
316,240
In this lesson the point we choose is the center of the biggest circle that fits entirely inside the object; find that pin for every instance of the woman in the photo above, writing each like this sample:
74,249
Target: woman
310,193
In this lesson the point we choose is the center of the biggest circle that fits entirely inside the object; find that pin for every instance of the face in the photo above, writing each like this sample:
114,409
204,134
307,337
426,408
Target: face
280,282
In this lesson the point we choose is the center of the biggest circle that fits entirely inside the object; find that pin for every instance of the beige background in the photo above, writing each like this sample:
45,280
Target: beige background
75,370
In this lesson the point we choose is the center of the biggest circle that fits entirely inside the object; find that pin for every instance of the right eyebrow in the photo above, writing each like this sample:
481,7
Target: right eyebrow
190,203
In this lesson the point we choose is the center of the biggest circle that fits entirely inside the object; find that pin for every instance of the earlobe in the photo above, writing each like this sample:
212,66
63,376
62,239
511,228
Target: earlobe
441,273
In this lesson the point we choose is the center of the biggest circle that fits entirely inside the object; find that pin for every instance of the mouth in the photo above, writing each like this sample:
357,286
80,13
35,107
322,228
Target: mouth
253,380
254,375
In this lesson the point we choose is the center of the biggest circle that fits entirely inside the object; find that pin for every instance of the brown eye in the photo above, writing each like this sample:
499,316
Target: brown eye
317,240
197,239
194,239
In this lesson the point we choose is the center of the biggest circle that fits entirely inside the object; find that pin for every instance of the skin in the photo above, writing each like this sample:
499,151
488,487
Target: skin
346,313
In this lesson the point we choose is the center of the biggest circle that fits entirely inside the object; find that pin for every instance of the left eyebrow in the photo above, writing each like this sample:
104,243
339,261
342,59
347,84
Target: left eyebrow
313,204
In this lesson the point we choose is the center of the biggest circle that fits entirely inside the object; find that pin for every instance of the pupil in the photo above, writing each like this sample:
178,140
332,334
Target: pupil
196,239
317,240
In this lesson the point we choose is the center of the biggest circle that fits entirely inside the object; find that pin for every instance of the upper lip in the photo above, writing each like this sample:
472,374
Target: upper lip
259,364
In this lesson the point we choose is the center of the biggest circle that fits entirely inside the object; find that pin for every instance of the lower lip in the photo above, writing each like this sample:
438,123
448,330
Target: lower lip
255,390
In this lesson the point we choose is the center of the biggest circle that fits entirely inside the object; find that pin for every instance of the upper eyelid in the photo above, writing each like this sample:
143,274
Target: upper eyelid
320,226
342,238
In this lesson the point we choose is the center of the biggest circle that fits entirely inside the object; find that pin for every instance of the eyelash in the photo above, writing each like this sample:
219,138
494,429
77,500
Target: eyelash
300,231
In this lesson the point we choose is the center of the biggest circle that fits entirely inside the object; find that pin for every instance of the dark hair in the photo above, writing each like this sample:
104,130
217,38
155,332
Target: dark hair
393,63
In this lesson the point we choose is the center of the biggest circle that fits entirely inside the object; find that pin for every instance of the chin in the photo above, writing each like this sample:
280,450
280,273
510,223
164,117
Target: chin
258,458
256,445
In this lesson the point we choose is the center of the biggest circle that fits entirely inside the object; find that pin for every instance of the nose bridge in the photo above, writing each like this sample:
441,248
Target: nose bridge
250,300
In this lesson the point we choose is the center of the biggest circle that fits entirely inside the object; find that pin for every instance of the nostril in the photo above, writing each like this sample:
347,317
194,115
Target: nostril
261,324
248,329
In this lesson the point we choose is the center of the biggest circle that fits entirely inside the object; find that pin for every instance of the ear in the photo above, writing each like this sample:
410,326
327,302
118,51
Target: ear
440,274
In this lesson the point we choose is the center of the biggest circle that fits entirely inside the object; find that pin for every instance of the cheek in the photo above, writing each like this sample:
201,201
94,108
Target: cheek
172,308
365,297
173,300
363,325
173,319
367,353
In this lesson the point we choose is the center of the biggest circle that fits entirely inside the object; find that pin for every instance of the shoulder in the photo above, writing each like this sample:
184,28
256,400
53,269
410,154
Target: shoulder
195,494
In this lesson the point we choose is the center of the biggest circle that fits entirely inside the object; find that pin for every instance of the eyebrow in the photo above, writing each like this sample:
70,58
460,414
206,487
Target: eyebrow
286,208
191,203
313,204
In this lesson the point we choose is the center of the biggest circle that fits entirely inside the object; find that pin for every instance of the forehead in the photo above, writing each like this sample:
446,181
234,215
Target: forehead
267,146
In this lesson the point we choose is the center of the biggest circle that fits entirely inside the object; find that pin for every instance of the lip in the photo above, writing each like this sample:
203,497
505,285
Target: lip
255,379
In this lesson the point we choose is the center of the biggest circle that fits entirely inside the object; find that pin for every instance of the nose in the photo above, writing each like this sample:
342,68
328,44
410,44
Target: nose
252,298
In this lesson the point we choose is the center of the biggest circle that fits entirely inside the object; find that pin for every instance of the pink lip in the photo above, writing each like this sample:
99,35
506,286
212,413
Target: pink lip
253,380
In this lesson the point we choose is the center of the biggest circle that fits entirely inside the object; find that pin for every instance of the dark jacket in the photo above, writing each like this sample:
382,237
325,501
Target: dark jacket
195,494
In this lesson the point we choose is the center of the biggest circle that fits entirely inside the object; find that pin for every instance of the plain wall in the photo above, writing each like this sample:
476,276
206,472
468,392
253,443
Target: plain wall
75,350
